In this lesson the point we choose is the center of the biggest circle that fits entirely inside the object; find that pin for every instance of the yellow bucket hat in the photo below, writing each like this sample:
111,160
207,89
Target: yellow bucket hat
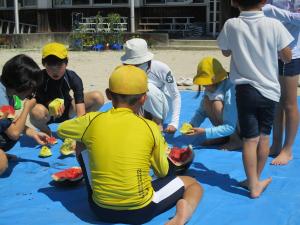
56,49
128,80
210,71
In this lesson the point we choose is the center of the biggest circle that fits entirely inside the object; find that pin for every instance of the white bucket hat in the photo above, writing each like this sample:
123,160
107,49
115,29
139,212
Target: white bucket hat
136,52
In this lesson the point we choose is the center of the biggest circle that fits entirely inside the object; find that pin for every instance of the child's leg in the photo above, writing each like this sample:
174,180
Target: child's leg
277,130
235,142
262,153
39,118
93,101
290,108
214,111
3,162
186,206
252,160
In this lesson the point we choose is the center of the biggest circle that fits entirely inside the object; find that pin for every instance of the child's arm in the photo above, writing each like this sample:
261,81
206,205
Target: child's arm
39,137
199,115
159,162
229,118
17,127
80,109
285,55
282,15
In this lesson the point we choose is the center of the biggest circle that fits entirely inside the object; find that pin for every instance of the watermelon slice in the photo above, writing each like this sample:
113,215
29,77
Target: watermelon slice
180,159
185,128
72,174
51,140
180,156
68,147
54,106
45,152
7,111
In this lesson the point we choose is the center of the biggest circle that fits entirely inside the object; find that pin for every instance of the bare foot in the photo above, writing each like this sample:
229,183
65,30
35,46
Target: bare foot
274,149
183,213
261,186
282,159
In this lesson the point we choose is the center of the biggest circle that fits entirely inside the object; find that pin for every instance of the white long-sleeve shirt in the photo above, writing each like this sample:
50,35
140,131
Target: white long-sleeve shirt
161,76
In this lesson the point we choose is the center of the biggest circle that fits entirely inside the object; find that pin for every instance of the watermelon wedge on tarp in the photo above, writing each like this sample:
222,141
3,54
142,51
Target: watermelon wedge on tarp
51,140
180,159
70,175
7,111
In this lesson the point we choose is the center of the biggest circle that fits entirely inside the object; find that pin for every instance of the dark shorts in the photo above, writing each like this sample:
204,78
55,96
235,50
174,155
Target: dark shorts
289,69
171,187
6,143
255,112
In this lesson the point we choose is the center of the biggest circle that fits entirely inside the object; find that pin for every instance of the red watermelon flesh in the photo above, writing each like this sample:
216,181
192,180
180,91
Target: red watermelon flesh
180,154
51,140
70,174
8,111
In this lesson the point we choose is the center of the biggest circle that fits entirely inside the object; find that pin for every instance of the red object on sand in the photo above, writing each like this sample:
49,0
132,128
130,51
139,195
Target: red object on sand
70,174
51,140
7,111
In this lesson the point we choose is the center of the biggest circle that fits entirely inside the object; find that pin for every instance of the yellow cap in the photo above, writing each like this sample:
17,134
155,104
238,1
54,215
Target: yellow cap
56,49
128,80
210,71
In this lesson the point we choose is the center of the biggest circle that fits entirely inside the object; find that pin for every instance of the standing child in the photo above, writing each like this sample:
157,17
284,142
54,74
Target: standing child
218,104
58,81
287,114
20,76
253,41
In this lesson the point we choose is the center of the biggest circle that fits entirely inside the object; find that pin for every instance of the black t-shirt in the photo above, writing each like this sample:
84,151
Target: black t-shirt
51,89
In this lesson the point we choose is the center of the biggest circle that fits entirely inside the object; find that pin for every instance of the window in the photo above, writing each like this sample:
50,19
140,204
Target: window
81,2
62,2
29,2
155,2
102,1
10,3
119,1
2,3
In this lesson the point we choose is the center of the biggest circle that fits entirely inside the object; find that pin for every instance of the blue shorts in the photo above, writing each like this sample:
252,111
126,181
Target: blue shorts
167,191
255,112
289,69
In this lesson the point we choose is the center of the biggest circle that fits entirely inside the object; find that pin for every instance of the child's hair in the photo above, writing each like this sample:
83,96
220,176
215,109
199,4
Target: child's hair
53,60
21,73
199,91
128,99
246,3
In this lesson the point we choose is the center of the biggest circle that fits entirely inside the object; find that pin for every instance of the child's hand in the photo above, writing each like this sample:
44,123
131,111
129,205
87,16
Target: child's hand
170,129
196,131
60,111
30,103
41,138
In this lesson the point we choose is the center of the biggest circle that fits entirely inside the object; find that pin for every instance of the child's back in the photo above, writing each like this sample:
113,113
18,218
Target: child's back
254,41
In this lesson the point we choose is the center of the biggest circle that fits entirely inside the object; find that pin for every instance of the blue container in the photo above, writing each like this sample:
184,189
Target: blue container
98,47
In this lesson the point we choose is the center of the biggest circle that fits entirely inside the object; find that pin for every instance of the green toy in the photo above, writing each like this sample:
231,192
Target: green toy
17,102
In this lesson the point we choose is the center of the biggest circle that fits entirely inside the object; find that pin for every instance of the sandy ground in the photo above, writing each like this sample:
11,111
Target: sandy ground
95,67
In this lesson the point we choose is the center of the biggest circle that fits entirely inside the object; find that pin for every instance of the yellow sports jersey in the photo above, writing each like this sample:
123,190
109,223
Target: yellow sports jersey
122,147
